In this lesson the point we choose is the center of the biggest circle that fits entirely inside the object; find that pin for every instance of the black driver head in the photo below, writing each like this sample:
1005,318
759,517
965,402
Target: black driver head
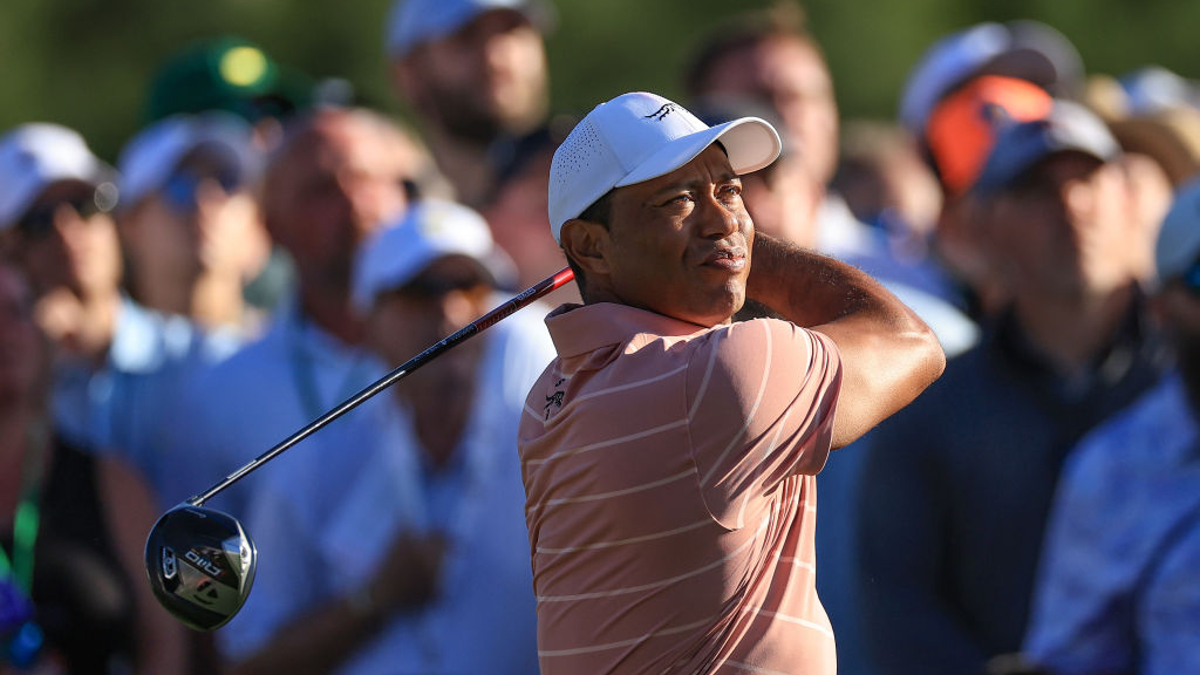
201,565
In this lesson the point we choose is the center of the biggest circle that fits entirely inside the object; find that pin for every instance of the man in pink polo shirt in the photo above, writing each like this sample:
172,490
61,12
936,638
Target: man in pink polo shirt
669,455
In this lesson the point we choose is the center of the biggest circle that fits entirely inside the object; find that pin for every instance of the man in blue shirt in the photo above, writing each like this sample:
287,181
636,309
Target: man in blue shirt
335,180
956,488
416,560
1118,587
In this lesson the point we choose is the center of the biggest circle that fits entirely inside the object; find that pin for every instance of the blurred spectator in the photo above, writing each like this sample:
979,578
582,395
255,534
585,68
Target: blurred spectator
1117,587
1162,151
230,74
517,210
957,486
1154,89
188,220
73,597
418,561
770,57
887,185
473,71
55,198
334,180
962,89
192,237
233,75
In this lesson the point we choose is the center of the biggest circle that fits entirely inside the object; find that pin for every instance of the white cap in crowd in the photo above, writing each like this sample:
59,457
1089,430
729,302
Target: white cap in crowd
1178,245
35,156
415,22
639,136
148,160
430,230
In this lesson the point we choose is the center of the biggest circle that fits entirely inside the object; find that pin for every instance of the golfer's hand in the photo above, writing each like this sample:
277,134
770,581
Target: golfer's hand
408,575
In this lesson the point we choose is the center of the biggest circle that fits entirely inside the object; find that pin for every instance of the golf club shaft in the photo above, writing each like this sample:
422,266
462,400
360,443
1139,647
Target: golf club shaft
479,325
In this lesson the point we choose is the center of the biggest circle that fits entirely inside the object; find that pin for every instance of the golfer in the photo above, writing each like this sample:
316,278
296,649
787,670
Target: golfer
669,455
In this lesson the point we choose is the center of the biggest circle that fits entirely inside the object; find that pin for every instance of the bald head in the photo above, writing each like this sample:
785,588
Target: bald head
335,178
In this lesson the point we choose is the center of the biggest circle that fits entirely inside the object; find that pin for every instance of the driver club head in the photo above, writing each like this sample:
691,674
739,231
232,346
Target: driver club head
201,565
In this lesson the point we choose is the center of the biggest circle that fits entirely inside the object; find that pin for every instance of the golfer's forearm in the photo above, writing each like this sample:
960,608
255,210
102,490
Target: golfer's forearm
888,354
810,289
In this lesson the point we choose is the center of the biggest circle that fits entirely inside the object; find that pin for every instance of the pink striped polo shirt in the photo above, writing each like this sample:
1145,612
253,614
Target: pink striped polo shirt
671,494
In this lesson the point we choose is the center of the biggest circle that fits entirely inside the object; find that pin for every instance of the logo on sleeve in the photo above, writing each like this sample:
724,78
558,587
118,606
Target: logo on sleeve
556,399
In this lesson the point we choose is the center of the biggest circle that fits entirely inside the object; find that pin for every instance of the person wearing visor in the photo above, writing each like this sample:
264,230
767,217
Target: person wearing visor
411,555
955,490
670,455
191,236
188,221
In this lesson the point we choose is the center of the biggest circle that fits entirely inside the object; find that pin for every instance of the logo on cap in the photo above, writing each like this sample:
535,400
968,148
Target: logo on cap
663,111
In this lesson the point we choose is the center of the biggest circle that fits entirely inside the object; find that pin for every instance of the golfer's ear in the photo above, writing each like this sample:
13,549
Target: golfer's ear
588,245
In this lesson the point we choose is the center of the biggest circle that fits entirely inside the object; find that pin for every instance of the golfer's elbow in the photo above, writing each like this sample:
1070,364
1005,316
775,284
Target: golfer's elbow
928,359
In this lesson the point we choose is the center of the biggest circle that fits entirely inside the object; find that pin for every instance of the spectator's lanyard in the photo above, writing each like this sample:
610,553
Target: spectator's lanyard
25,522
305,376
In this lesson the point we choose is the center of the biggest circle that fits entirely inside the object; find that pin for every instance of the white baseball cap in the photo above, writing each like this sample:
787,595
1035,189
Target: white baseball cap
414,22
1178,244
430,230
639,136
36,155
148,159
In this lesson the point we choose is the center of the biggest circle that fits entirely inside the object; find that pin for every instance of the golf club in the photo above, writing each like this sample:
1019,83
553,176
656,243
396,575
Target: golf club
201,562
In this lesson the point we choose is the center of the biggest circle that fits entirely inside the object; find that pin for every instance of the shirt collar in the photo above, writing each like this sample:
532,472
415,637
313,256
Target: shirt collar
580,329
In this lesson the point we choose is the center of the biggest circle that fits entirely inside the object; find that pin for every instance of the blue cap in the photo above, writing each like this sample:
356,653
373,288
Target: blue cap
1019,146
415,22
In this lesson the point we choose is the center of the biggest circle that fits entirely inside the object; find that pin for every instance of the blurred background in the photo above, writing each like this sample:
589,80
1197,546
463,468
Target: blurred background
85,63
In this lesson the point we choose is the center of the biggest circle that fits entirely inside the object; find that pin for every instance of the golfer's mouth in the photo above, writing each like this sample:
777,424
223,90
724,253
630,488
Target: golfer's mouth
731,259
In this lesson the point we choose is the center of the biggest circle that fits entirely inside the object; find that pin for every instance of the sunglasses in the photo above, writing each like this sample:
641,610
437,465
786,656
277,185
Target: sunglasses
38,221
181,187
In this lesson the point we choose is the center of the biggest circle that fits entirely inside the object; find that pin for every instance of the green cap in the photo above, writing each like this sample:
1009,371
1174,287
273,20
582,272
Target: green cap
226,73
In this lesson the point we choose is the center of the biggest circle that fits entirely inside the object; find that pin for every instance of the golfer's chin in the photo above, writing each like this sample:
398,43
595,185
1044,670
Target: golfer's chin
715,309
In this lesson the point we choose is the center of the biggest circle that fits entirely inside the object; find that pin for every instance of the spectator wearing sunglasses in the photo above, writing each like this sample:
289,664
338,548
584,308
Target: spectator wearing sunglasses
189,226
55,223
1117,588
192,238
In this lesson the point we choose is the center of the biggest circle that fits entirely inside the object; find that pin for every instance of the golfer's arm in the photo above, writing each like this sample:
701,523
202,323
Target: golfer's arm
888,354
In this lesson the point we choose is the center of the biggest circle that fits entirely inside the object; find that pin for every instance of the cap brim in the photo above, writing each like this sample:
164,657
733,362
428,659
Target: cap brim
750,142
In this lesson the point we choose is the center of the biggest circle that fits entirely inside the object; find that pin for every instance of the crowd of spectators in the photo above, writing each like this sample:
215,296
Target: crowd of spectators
264,247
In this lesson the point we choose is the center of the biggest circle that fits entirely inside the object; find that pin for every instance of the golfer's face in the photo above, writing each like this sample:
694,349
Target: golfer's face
680,244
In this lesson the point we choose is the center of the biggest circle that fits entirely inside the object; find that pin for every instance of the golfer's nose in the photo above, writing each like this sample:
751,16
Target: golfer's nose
720,217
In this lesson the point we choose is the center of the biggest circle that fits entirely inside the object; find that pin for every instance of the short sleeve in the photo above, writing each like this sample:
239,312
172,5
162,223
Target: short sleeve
761,398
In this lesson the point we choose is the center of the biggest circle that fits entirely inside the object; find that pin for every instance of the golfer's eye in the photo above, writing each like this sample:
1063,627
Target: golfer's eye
679,199
730,191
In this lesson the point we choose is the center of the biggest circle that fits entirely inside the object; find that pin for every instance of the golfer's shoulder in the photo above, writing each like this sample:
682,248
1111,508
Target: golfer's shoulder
769,342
